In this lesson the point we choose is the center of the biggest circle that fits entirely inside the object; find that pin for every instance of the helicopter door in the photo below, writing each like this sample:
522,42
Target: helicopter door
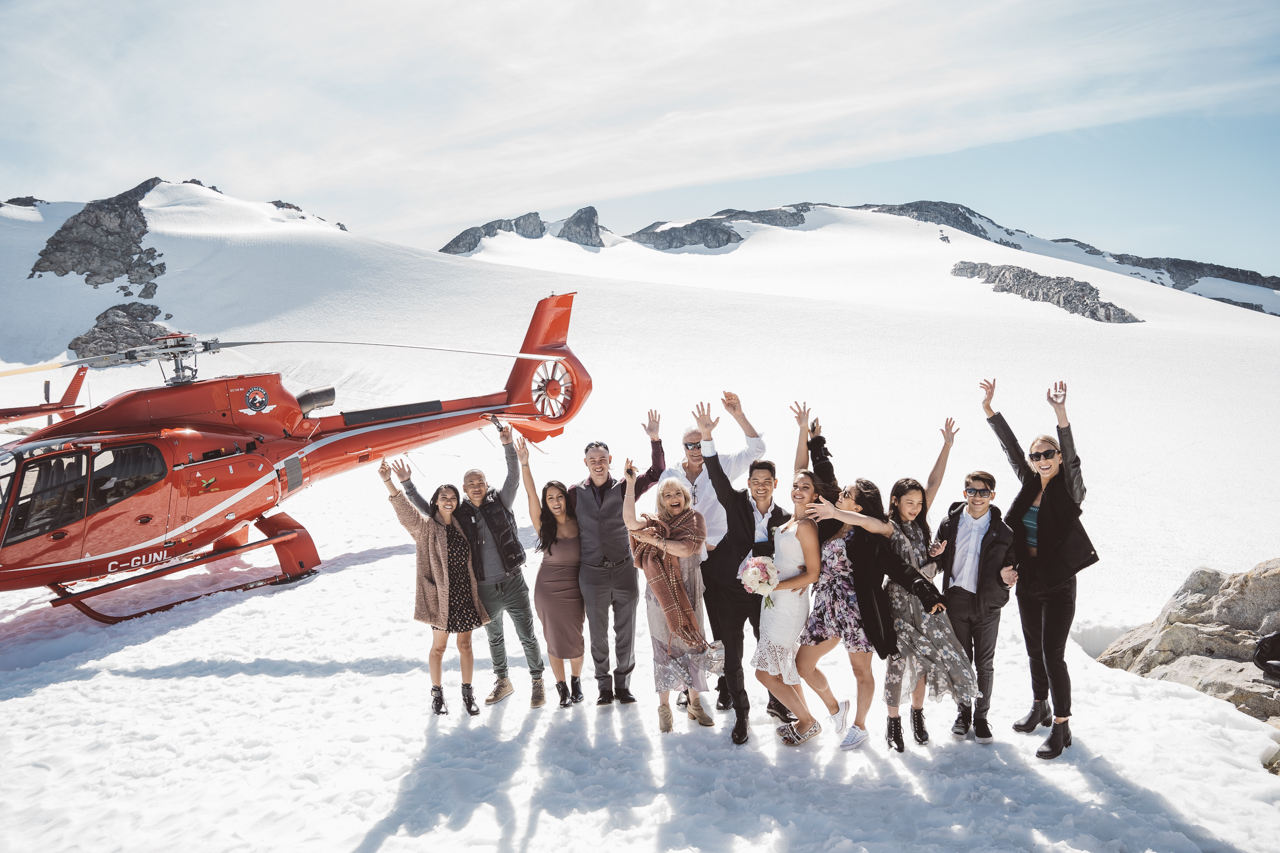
128,504
46,524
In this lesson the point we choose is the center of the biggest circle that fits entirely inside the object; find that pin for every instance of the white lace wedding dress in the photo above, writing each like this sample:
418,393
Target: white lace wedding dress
781,624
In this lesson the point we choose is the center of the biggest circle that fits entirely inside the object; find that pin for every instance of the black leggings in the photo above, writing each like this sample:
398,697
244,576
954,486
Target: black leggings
1047,615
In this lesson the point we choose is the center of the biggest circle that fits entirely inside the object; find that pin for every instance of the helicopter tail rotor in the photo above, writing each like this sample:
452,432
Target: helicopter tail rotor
544,395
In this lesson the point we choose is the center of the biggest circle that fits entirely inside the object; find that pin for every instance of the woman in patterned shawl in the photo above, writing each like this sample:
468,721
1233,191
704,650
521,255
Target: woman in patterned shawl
668,547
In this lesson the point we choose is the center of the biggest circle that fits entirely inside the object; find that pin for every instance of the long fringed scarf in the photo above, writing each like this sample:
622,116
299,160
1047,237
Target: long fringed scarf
662,572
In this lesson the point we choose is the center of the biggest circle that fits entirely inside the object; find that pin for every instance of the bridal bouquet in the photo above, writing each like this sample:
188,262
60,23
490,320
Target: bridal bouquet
759,576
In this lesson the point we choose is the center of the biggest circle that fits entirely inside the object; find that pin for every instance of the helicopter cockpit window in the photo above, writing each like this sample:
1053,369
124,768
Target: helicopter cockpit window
123,471
50,495
7,466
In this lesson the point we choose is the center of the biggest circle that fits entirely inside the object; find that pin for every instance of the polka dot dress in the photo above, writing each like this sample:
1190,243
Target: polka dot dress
462,610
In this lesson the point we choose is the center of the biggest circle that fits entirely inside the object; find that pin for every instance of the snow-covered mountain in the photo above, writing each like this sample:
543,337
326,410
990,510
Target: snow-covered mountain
294,718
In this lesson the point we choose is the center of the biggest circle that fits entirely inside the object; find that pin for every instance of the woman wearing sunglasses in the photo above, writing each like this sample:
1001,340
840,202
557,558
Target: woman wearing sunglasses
1051,546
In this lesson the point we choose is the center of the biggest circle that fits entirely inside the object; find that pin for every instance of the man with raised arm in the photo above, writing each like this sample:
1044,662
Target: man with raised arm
608,577
693,473
750,518
497,558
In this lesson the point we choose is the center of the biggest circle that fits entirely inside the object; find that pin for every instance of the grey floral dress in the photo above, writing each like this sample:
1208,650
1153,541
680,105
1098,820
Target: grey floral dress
835,605
927,646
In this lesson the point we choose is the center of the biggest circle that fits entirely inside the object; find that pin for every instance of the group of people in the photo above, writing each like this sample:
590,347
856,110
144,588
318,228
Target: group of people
849,570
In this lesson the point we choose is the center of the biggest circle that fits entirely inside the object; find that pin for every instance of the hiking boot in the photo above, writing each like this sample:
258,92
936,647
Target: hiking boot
539,697
501,690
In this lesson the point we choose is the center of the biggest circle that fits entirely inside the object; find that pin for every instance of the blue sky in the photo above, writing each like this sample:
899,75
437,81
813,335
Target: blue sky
1145,126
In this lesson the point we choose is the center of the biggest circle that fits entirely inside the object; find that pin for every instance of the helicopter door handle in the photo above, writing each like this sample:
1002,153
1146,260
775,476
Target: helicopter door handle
60,535
143,519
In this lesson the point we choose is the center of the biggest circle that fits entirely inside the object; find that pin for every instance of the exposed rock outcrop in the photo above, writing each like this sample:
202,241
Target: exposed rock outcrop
1206,635
712,233
529,225
1185,273
1089,250
1077,297
284,205
25,201
197,183
956,216
103,242
583,228
119,328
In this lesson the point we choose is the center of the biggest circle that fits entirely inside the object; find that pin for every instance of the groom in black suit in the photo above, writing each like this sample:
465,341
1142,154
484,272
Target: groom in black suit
752,518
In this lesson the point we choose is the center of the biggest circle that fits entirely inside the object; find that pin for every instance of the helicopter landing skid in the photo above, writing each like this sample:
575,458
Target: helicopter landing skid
293,546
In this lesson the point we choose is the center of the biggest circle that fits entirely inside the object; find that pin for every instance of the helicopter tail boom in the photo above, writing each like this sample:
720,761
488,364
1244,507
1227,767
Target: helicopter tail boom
542,396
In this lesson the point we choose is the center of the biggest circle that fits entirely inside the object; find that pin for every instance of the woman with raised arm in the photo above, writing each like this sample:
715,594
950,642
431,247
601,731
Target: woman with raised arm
668,549
1051,546
556,594
929,657
447,597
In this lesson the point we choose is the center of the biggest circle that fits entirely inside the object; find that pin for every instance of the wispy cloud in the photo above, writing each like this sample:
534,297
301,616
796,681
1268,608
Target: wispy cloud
405,119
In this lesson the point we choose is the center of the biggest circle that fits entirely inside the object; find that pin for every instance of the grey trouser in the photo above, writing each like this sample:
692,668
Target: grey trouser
616,587
976,629
511,596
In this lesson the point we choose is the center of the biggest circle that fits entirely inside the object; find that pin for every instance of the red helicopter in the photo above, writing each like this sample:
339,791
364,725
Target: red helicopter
173,477
62,408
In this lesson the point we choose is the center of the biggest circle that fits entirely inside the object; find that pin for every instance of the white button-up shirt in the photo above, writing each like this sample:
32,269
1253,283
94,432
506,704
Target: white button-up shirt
704,493
969,533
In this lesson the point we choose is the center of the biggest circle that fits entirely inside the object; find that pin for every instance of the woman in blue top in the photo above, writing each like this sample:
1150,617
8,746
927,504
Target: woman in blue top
1051,547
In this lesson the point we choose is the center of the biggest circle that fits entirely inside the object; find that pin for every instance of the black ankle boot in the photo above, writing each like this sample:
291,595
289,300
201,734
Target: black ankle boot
918,730
893,734
437,701
1038,716
1058,740
740,735
469,700
563,690
575,689
961,728
724,699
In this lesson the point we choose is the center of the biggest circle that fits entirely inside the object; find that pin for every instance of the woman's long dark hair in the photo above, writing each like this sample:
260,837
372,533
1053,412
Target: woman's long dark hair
900,489
435,497
547,529
821,488
866,494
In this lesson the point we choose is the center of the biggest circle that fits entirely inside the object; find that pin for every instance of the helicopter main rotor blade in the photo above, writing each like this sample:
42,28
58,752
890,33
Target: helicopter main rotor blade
214,346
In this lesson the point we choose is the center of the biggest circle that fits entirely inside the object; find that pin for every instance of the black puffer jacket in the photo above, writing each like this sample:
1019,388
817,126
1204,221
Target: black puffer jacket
1063,547
995,553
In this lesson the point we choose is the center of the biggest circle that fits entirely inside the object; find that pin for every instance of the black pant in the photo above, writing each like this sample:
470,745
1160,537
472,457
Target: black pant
976,628
728,609
1046,623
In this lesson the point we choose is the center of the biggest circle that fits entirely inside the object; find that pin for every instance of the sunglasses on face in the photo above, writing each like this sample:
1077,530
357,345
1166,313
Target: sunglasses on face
1042,454
692,445
978,493
595,444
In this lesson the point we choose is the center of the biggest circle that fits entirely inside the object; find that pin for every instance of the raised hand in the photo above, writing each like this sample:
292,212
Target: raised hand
629,473
1057,396
801,411
403,474
820,509
384,470
522,450
702,417
652,426
815,428
731,404
504,432
938,548
988,387
949,430
1009,576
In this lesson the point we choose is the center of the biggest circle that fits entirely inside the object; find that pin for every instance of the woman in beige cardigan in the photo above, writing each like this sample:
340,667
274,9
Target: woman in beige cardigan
447,597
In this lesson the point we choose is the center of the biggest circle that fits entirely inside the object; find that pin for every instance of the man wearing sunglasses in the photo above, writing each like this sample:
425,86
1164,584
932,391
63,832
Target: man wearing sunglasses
975,553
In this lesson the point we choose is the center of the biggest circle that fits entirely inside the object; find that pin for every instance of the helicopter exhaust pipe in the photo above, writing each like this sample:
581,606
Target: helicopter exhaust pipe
316,398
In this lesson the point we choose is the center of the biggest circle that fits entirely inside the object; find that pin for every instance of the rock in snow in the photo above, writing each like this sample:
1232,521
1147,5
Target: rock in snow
103,242
1078,297
583,228
711,233
529,225
119,328
1206,635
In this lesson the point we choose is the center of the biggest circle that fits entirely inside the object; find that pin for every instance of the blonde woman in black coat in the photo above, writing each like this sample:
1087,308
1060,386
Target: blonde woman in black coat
1051,547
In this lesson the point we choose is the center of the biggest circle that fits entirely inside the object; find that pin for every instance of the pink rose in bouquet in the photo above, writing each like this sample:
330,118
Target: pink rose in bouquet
759,576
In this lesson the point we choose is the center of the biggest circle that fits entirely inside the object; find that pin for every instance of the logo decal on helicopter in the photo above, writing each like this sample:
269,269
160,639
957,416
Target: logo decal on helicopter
256,399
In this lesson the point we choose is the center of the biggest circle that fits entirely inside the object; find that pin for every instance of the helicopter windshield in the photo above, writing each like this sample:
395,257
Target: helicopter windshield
51,496
7,466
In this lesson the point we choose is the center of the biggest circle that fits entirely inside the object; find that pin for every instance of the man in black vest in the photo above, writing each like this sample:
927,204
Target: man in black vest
497,559
752,518
608,577
975,553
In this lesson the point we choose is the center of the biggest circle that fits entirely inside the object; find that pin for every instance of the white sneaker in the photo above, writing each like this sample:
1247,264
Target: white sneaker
840,719
855,738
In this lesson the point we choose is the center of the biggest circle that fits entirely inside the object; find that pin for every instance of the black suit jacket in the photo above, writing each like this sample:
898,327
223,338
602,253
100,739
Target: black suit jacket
995,553
722,564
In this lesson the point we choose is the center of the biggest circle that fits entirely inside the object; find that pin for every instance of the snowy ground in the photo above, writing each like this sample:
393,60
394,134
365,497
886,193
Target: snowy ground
296,718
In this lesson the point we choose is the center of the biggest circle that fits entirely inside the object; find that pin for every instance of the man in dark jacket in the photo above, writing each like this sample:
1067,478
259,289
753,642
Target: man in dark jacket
977,574
497,559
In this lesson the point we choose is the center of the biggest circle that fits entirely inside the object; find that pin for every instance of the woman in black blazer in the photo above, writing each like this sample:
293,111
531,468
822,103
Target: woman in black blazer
1051,547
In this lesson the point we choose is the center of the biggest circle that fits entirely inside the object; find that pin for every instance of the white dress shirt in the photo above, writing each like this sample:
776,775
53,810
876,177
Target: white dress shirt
704,493
969,533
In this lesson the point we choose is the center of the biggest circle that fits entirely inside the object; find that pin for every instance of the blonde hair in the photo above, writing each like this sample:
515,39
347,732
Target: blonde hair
664,512
1047,439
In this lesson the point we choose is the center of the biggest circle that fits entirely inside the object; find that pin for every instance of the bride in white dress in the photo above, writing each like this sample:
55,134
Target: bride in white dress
798,559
